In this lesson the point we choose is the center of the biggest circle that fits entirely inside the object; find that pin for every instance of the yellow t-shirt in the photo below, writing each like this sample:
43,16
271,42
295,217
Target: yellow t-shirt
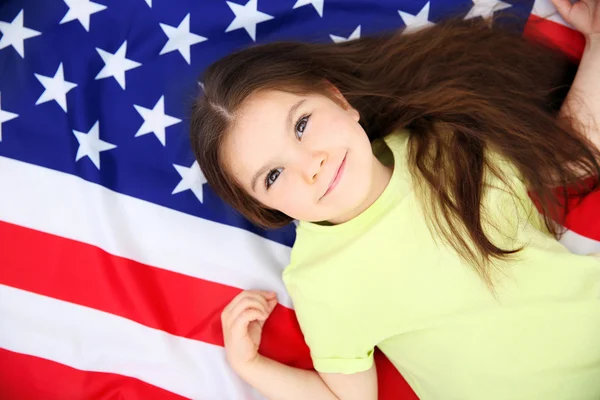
381,280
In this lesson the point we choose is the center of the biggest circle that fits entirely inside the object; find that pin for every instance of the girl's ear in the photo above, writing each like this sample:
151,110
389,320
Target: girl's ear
342,100
355,114
336,93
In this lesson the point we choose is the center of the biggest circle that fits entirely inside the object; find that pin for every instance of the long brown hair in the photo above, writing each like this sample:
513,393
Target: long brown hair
459,87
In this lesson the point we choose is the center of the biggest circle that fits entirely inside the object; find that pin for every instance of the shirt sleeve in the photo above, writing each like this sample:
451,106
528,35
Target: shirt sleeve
332,333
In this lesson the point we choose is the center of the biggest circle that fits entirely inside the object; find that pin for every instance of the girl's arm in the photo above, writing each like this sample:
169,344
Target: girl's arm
278,381
582,104
242,322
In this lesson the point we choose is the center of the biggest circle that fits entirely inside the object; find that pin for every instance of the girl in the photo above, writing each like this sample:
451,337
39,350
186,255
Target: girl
407,160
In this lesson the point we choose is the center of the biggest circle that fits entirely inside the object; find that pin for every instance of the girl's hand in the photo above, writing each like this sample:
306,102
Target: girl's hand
584,15
242,321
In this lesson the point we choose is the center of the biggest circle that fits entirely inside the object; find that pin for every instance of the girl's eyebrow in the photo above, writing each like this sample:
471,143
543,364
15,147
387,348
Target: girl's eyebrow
288,122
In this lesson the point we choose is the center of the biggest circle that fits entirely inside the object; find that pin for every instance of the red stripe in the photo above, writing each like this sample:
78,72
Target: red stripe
583,214
26,377
392,385
584,218
83,274
568,40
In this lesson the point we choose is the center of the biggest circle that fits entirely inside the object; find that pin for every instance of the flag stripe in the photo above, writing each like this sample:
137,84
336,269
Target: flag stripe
579,244
26,377
92,340
544,9
66,205
569,41
584,220
161,299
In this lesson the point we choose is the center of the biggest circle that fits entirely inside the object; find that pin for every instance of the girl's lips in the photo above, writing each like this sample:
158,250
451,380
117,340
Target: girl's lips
337,178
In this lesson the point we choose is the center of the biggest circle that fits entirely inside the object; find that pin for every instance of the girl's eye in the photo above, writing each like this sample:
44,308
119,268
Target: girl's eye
301,125
272,177
274,173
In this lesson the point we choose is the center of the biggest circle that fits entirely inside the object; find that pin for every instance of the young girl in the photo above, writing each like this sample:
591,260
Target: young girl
411,162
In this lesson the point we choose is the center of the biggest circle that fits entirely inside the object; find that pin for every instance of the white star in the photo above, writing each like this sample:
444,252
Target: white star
149,2
56,88
180,38
116,64
155,120
14,34
247,17
317,4
81,10
5,116
353,35
486,8
192,179
416,22
90,144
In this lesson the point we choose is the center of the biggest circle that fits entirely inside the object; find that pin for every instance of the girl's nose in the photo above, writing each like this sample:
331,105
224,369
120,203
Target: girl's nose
315,167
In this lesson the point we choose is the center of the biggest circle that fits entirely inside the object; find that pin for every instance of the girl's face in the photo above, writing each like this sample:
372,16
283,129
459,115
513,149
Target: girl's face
305,156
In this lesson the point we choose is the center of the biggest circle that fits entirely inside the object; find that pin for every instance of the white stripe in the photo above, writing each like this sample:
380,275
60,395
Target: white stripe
66,205
545,9
92,340
579,244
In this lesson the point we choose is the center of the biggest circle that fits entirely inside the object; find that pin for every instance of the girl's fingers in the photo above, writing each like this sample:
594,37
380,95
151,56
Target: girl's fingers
272,303
583,15
248,302
267,295
564,8
245,293
239,326
240,297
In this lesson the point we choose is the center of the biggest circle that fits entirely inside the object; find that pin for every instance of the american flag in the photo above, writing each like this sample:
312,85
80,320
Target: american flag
116,258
